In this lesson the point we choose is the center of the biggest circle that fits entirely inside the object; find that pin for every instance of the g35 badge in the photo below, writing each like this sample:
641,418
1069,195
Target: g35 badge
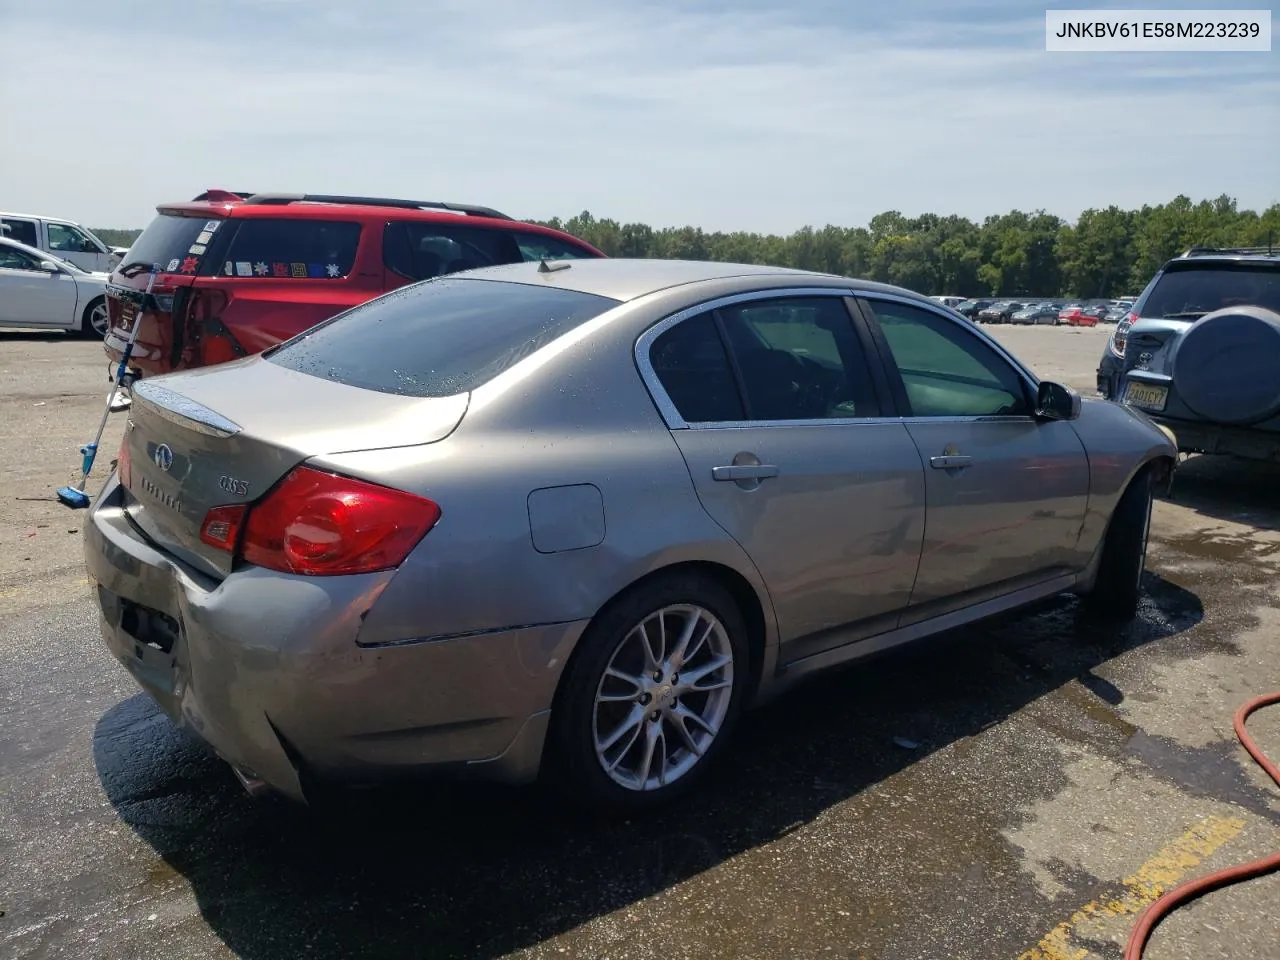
237,488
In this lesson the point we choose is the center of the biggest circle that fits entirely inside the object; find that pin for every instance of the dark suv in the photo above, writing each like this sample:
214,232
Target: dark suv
1200,352
239,272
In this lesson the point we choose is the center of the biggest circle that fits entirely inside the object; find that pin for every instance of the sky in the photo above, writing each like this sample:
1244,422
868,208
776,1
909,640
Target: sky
730,116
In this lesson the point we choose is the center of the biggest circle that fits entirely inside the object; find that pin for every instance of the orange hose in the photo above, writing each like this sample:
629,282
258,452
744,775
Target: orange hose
1199,887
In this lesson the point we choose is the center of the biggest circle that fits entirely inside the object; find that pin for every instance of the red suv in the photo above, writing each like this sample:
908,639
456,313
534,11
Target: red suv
241,272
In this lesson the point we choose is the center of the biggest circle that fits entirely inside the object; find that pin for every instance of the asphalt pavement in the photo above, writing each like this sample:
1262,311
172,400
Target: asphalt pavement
1019,790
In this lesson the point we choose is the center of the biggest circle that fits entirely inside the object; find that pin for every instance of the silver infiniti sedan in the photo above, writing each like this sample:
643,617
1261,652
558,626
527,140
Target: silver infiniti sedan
568,519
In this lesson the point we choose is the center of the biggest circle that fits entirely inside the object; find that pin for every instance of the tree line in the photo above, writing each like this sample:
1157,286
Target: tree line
1105,253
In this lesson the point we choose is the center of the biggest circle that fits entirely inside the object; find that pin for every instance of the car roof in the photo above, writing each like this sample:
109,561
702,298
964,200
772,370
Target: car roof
626,279
291,208
38,216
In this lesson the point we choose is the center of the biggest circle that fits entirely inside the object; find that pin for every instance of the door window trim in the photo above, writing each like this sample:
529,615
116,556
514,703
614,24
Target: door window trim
672,416
865,300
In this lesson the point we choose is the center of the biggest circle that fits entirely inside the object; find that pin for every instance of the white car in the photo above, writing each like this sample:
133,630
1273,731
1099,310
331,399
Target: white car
948,301
38,289
63,238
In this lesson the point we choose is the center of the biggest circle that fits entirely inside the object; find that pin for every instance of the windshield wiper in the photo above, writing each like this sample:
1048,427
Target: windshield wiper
1187,315
137,267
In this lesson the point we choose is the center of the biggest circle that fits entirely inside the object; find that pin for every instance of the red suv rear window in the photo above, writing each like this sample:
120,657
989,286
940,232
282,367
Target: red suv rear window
175,244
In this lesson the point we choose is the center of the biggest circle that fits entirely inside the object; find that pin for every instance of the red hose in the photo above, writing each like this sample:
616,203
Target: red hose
1199,887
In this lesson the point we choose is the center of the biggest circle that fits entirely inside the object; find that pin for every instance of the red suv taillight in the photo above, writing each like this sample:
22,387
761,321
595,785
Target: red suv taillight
322,524
1120,336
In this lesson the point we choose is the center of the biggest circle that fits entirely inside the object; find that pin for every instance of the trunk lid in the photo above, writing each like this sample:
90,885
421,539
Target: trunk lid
220,436
179,242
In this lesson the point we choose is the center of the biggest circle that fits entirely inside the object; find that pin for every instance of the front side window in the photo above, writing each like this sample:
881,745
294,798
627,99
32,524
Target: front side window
799,359
422,250
290,249
64,238
537,246
11,259
947,370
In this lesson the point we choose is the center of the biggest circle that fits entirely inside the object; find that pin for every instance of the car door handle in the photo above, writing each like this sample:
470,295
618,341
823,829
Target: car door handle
744,471
950,462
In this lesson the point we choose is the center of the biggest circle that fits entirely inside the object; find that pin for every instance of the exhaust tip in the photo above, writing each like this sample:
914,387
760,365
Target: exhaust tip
253,785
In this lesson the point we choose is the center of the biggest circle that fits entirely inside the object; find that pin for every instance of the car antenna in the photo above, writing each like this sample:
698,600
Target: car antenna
545,267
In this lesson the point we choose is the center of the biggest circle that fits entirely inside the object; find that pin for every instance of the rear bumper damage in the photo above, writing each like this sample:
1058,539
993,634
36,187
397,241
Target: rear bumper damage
268,670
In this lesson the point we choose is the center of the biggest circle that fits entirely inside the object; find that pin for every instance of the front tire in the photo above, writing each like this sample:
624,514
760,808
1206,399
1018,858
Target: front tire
650,696
1124,553
95,321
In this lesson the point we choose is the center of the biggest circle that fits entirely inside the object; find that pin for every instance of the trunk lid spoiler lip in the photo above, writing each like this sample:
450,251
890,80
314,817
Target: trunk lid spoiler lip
183,411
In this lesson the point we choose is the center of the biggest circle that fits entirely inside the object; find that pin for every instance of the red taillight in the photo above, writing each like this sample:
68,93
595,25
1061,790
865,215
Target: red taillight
221,526
320,524
1120,336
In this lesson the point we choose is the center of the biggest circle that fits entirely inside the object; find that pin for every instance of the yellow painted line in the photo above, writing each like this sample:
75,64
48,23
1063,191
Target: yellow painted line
1145,886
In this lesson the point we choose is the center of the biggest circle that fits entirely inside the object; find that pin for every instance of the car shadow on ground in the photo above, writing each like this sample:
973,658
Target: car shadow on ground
1230,488
482,871
37,336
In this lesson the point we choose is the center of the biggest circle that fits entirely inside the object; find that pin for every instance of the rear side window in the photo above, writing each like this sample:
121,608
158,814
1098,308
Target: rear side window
438,339
290,249
174,244
1189,294
693,368
23,231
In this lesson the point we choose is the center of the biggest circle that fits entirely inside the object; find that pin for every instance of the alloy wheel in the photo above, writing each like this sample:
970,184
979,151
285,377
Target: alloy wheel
663,697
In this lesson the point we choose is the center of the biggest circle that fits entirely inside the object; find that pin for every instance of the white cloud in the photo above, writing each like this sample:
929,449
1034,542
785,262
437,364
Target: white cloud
745,120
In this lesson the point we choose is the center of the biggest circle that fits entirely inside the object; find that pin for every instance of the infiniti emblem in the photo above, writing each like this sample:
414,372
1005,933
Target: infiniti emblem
163,457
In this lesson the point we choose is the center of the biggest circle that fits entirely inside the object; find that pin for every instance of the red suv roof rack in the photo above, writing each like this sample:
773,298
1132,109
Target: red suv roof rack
466,208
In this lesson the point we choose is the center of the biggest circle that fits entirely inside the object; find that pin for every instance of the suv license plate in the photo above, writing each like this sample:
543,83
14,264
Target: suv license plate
1146,396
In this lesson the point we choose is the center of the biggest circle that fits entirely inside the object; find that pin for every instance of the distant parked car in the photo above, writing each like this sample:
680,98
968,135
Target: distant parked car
65,239
38,289
1200,352
1042,313
1000,311
947,301
298,555
970,308
1085,316
239,273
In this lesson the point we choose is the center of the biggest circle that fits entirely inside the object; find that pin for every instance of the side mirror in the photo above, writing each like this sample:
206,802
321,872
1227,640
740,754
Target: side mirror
49,266
1056,402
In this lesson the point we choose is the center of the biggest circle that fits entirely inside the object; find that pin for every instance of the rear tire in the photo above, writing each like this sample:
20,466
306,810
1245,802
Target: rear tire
95,321
1124,553
650,762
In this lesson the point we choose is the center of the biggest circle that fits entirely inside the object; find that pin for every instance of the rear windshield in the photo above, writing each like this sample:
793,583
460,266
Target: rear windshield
1188,294
297,249
439,338
174,244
